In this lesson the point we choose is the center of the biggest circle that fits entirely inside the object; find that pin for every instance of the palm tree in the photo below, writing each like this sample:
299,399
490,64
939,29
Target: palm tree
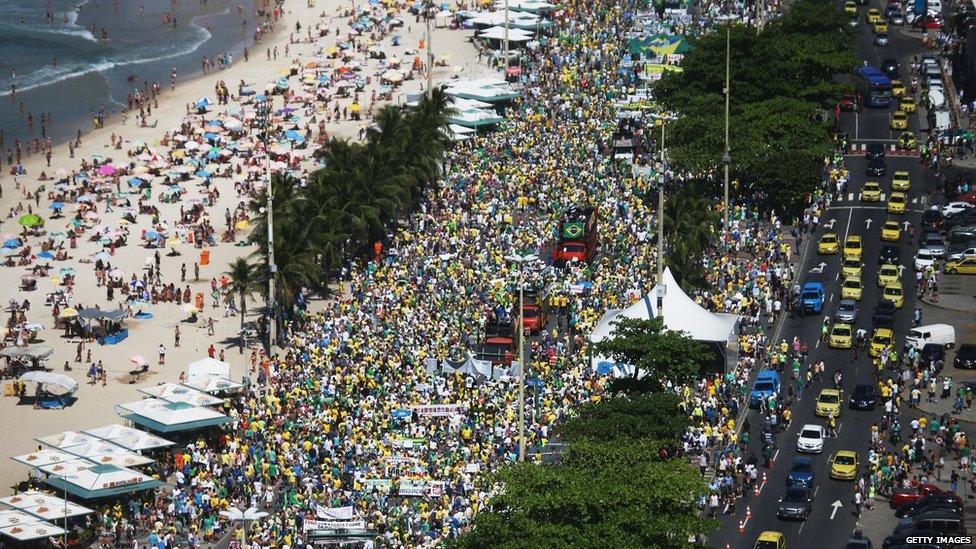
689,228
244,282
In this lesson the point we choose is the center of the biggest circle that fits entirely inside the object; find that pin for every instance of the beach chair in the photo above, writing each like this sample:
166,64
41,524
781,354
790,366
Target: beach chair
134,375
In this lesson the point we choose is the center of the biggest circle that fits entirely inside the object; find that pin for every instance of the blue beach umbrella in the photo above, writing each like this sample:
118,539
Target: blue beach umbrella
152,234
292,135
46,255
604,368
56,205
12,243
85,198
203,173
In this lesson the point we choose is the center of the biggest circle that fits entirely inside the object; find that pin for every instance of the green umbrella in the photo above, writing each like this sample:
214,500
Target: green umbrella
30,220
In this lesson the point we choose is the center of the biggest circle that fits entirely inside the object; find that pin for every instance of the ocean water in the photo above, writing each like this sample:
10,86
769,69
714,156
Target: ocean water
70,58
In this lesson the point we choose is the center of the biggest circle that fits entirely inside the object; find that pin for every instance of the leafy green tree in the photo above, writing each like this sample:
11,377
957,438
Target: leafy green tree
690,223
245,281
656,353
599,495
654,416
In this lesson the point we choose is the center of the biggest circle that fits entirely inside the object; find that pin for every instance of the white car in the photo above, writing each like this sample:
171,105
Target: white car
967,253
924,259
811,439
953,208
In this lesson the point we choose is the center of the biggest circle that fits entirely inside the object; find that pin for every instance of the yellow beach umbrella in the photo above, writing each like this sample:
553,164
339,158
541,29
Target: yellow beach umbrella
242,224
70,312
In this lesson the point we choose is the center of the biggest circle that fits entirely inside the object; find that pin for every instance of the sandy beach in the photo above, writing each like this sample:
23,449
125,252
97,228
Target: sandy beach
94,405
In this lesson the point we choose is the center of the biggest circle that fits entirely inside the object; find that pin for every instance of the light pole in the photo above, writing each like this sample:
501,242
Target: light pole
505,51
726,157
64,478
662,175
252,514
521,260
263,111
429,12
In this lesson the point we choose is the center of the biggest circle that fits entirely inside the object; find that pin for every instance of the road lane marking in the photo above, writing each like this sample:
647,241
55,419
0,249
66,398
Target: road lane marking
815,490
817,344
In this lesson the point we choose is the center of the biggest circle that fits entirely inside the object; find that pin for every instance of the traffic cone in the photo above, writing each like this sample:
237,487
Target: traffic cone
748,512
742,527
764,475
755,489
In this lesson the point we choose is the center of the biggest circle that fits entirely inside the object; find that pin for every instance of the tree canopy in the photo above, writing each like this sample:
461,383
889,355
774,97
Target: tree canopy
652,417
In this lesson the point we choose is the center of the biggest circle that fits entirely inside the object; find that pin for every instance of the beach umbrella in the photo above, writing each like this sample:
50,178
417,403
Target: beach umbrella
138,360
85,198
202,102
106,170
152,235
46,255
292,135
11,243
104,256
56,205
70,312
30,220
67,271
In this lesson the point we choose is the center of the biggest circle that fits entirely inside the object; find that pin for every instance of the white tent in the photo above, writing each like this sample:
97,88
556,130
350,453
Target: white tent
174,392
531,6
10,518
208,367
516,20
167,417
460,133
65,439
36,530
681,313
103,480
44,505
44,457
139,443
113,431
498,33
108,453
68,467
214,385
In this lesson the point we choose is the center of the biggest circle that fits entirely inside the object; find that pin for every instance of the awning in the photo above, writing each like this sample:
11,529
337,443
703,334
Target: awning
170,417
113,431
103,481
44,457
68,384
44,505
174,392
97,314
65,439
35,352
106,453
213,385
207,367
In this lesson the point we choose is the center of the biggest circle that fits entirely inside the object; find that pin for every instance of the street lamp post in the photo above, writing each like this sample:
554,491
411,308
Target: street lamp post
726,157
662,179
429,12
263,111
64,478
521,260
505,51
251,514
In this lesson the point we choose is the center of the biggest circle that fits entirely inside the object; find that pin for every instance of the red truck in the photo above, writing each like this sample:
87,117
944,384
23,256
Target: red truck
535,310
578,237
906,495
499,344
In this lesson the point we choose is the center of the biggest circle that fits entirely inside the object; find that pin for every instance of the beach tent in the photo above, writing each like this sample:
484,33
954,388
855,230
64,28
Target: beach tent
498,33
170,417
140,443
113,431
23,527
67,384
103,481
44,457
461,133
174,392
516,20
680,312
68,467
206,368
485,90
65,439
44,505
214,385
108,453
35,355
531,6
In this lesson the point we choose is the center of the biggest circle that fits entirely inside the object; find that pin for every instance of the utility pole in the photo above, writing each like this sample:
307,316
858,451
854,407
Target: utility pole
726,157
506,36
660,211
428,9
521,260
264,112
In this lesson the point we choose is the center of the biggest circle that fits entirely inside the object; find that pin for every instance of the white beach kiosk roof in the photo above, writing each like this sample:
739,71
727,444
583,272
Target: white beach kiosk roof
170,417
129,438
174,392
103,481
44,505
681,313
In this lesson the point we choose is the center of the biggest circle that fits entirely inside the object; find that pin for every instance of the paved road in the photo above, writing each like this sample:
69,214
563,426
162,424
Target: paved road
849,217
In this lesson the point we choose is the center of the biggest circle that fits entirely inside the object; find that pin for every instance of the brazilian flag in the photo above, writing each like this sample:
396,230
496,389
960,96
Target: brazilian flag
573,230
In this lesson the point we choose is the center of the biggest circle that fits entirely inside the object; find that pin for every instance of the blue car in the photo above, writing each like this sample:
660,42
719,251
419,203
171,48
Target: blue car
801,472
767,384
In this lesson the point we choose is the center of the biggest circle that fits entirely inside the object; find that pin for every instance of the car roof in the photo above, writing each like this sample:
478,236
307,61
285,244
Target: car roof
767,374
848,453
811,426
863,387
883,332
854,238
847,302
802,460
829,392
843,325
770,535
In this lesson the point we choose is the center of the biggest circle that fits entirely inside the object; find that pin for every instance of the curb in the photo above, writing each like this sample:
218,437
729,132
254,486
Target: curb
958,417
944,299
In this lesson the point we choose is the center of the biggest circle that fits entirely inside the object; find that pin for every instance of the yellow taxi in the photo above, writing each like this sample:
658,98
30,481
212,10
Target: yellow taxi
850,7
899,120
897,203
894,292
843,465
852,289
874,15
887,274
907,141
880,27
841,336
828,403
881,339
907,103
897,88
770,539
851,267
890,231
900,181
966,266
829,244
852,247
871,192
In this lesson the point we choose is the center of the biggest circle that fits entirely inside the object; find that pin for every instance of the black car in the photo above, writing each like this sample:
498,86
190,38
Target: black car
877,167
932,220
890,253
884,314
965,356
938,499
960,219
874,150
932,352
796,503
863,397
890,68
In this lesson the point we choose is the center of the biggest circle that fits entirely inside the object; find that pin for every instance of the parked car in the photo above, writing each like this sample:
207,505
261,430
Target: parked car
965,356
924,259
932,220
801,473
938,499
902,496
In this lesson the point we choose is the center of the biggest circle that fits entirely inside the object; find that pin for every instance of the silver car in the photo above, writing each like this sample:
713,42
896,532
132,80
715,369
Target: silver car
846,311
881,39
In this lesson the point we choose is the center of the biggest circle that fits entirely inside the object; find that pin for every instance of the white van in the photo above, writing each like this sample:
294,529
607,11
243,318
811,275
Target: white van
940,334
943,121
